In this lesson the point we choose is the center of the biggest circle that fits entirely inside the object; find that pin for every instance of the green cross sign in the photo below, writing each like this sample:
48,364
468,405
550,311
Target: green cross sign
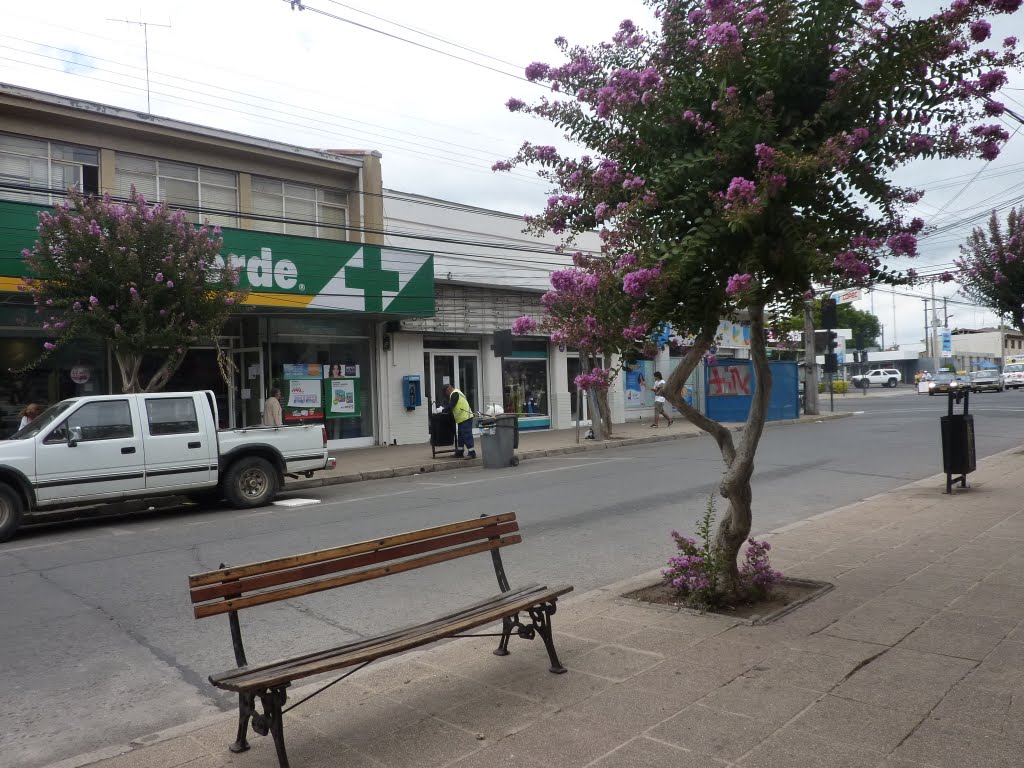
373,279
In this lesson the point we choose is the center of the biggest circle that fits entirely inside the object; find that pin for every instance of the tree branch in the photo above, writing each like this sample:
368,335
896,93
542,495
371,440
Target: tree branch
673,393
754,427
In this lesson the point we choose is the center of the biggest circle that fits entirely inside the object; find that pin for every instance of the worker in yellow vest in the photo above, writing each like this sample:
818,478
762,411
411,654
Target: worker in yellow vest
458,407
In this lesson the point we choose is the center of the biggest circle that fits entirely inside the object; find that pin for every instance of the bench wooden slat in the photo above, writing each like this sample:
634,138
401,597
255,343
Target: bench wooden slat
366,642
269,566
385,554
226,606
289,672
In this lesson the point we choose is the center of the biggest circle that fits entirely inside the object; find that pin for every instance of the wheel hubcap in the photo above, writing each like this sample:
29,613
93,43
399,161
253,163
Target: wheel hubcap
252,483
5,512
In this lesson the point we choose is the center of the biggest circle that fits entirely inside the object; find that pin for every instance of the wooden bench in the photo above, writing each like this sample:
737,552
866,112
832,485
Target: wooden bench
229,590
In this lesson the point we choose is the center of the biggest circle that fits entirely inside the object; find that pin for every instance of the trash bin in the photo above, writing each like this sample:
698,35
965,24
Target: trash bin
442,433
958,452
499,440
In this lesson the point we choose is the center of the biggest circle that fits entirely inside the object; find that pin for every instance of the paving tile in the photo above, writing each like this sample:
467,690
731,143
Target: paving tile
596,628
425,744
792,748
168,754
361,721
712,732
1001,670
841,648
668,642
974,707
770,701
615,662
627,711
970,623
991,600
306,746
392,675
802,669
682,681
438,692
856,723
944,745
939,641
884,622
905,680
728,655
558,690
647,753
565,741
497,714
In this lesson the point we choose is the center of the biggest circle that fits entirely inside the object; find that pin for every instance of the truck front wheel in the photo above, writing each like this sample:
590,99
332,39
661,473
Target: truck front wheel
251,482
10,511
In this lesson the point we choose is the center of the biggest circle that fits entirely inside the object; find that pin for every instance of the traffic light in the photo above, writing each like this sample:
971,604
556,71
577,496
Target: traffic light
831,362
831,336
829,316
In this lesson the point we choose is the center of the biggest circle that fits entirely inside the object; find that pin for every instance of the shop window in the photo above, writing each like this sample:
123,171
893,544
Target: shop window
39,171
207,195
172,416
299,209
524,379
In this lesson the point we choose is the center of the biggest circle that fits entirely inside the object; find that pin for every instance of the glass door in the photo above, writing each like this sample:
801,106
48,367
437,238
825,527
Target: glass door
460,369
247,390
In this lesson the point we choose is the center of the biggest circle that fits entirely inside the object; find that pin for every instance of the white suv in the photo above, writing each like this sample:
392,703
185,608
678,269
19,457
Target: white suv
884,377
1013,375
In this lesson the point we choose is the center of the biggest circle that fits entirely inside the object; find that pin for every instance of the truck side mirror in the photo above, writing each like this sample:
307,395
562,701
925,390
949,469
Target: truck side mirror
74,436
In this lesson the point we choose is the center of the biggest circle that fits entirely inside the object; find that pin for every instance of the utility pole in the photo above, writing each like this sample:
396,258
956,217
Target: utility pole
810,366
936,353
145,36
945,312
927,336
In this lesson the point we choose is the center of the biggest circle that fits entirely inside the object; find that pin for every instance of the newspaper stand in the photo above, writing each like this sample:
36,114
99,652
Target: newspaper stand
959,457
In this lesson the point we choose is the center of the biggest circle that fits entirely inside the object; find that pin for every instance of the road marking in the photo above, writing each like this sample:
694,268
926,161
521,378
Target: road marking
5,550
295,502
518,474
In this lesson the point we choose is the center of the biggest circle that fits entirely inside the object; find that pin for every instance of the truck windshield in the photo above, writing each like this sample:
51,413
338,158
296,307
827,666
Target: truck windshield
42,421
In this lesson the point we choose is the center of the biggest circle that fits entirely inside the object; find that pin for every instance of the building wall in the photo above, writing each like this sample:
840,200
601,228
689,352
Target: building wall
400,425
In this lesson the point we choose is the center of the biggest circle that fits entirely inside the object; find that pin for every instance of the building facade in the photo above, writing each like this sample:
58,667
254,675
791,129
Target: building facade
304,227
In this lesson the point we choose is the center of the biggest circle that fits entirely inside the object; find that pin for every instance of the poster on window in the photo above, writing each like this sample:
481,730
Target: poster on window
342,398
293,371
637,385
304,400
341,371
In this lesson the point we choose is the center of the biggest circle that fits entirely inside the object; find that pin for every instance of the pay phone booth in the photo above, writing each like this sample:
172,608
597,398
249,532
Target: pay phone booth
959,457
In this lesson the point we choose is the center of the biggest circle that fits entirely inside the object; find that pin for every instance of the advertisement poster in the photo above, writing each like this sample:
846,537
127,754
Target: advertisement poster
342,398
341,371
294,371
637,383
304,400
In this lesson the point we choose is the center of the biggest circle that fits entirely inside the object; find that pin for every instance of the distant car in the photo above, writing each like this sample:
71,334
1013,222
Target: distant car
883,377
946,382
986,381
1013,375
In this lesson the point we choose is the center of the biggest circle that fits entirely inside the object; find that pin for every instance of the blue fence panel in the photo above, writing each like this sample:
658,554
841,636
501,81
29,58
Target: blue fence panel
730,385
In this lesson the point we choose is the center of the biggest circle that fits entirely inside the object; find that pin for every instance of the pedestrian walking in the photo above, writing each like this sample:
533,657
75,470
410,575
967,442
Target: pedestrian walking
659,400
458,406
29,413
272,409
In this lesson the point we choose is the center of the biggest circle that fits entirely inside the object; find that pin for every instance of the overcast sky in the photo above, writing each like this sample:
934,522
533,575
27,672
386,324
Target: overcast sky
258,67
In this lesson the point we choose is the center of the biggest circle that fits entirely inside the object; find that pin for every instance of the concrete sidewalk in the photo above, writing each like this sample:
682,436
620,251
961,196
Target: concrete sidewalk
916,658
381,462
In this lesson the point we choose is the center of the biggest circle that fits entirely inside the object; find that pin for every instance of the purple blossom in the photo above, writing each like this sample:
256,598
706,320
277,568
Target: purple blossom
903,243
981,30
636,283
871,6
738,283
93,301
77,306
1006,6
724,35
170,283
49,346
918,143
537,71
523,325
851,266
990,150
992,81
159,277
994,108
839,75
502,165
515,105
626,260
741,191
765,156
1010,42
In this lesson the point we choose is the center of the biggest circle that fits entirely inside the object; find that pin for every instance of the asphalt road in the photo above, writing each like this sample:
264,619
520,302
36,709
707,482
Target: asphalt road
98,645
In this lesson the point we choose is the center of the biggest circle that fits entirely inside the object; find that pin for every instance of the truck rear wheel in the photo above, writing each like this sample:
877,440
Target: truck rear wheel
10,512
251,482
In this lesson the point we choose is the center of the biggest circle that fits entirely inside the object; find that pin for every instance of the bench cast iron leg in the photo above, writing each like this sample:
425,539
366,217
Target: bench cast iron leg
506,633
541,616
272,721
246,709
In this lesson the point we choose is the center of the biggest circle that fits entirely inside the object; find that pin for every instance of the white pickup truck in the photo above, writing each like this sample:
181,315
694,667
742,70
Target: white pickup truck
95,450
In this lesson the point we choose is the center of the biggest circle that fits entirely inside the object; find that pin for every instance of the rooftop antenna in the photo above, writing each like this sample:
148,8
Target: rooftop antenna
145,35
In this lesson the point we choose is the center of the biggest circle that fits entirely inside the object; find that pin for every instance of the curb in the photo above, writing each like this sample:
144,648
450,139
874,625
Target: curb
455,464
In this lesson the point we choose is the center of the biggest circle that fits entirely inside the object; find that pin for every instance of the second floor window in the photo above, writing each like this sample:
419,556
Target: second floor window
206,194
40,171
298,209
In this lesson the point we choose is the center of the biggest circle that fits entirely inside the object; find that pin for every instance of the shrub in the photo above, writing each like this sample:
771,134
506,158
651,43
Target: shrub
696,570
838,387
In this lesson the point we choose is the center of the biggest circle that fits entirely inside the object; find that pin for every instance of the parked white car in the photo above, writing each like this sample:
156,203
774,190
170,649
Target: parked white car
883,377
96,450
1013,375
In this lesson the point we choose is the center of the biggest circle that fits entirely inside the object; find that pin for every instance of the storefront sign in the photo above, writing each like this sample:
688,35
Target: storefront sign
80,374
281,270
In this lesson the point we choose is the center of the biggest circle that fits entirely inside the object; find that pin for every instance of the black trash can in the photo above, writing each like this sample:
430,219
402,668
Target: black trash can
442,433
958,452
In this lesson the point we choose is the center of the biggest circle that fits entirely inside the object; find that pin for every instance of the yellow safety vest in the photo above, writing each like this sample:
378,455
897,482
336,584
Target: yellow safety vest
462,412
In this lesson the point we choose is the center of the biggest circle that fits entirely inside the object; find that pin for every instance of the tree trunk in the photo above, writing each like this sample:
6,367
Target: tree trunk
129,363
810,366
605,412
163,375
735,525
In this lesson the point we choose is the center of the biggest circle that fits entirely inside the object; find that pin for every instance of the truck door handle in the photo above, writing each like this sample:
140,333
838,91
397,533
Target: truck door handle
127,450
195,445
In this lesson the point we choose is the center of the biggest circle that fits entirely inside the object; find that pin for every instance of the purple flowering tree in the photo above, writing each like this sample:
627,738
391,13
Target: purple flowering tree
136,275
743,152
992,267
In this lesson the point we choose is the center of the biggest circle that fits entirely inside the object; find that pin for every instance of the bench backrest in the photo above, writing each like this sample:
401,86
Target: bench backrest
232,589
